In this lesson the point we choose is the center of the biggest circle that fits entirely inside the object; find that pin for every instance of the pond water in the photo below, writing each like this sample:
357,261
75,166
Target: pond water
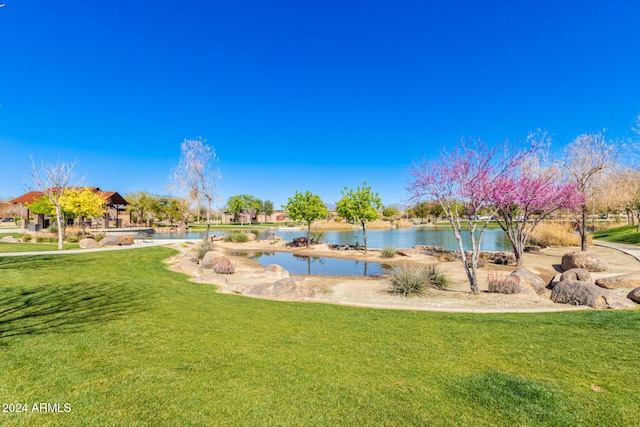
441,236
297,264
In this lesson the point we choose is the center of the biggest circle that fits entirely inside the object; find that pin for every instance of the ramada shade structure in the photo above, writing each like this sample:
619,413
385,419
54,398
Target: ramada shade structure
114,201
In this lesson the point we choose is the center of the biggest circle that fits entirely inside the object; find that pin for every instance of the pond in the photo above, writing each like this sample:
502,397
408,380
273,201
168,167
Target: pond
441,236
299,264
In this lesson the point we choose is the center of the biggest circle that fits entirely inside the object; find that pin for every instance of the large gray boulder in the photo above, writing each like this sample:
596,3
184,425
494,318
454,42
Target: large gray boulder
583,293
527,279
631,280
270,272
9,239
110,241
634,295
581,259
288,288
576,275
88,243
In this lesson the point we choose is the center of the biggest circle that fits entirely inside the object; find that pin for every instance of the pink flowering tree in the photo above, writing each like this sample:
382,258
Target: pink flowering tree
463,183
524,198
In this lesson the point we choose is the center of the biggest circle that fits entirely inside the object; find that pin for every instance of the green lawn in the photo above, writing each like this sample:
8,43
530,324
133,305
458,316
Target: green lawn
624,234
124,341
33,247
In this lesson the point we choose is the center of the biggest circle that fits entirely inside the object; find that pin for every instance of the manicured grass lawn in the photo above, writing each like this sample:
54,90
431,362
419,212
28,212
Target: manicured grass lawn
126,342
624,234
34,247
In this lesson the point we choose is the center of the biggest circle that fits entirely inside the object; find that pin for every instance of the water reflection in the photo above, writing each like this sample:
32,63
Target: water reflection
301,264
441,236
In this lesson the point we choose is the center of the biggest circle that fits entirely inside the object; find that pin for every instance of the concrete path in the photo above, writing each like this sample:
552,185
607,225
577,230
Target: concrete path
632,250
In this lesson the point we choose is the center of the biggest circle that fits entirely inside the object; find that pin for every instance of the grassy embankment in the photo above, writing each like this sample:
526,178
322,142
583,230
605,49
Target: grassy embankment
126,342
624,234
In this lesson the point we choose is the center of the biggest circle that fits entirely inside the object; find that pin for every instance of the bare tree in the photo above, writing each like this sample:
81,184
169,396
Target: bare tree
53,180
586,160
197,174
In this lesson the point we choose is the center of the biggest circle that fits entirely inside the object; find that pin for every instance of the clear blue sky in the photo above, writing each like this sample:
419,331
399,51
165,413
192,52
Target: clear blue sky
302,95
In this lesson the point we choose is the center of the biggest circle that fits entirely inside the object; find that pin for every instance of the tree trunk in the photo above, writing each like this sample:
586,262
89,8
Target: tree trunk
308,235
59,222
364,235
583,228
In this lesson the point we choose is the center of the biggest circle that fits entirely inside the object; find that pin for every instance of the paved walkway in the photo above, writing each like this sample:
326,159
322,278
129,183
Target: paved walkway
632,250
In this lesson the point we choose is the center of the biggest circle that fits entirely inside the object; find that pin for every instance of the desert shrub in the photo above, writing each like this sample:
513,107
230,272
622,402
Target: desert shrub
445,257
379,224
556,234
403,223
72,234
413,280
330,226
52,229
436,278
202,249
388,252
237,237
46,238
501,284
26,237
98,236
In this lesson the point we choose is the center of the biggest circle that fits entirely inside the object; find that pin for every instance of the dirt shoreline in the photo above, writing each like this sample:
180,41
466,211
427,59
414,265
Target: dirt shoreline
373,291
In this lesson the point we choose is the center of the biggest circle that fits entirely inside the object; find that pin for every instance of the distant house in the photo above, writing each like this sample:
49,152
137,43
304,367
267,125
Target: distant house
115,203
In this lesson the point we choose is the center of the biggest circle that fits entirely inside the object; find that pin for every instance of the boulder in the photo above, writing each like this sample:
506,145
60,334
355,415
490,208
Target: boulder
110,241
583,293
288,288
529,280
533,249
211,279
631,280
587,260
187,267
88,243
9,239
634,295
270,272
503,258
576,275
276,270
217,262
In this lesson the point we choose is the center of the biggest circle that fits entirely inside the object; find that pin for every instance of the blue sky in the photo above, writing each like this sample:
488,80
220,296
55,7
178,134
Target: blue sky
302,95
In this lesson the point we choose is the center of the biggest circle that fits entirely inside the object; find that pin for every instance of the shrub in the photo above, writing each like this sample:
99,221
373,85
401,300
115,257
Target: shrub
237,237
413,281
379,224
388,252
330,226
46,238
26,237
403,223
556,234
436,278
501,285
202,249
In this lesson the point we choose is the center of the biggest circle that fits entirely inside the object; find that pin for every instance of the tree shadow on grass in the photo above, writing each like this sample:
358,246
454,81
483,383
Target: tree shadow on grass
62,308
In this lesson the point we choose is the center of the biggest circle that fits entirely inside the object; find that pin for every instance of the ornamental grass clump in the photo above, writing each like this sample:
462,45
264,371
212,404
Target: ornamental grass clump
202,249
388,252
415,280
501,285
237,237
